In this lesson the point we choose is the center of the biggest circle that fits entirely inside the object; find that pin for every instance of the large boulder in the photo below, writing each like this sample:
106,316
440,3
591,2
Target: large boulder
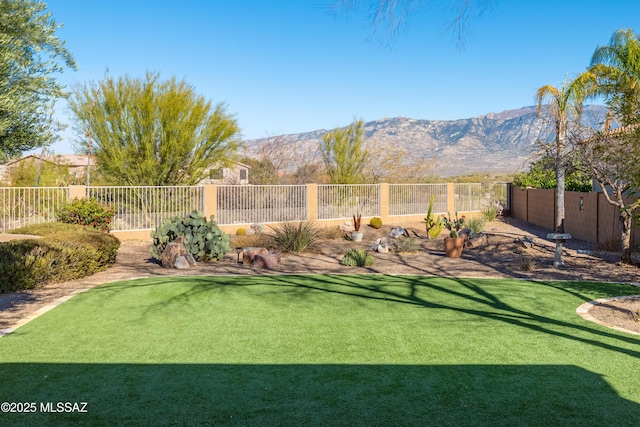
269,260
249,253
173,251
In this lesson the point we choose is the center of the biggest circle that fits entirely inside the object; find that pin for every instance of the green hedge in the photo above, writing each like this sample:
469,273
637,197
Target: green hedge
65,252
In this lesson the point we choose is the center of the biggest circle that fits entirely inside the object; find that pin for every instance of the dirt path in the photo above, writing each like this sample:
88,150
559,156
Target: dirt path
501,257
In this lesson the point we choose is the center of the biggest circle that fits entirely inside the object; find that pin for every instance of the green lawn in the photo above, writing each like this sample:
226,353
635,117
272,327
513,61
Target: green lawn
325,350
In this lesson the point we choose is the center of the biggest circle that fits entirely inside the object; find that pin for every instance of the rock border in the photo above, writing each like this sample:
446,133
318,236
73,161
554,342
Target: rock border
583,311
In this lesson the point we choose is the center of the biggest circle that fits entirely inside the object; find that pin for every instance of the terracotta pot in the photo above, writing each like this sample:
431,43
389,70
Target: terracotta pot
356,236
453,246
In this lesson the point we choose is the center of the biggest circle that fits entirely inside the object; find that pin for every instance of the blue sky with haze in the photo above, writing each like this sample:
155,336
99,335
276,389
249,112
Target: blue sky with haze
290,66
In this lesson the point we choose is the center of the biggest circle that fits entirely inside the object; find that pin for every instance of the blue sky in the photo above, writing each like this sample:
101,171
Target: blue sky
289,66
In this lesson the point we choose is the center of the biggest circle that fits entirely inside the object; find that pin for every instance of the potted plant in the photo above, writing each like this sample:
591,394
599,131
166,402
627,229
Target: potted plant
454,243
357,235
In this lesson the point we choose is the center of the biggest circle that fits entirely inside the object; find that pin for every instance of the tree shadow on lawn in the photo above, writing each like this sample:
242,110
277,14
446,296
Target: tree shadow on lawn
467,296
314,394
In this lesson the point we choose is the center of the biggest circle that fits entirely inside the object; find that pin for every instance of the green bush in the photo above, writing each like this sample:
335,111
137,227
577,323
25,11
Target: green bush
203,239
65,252
241,232
405,244
296,237
357,258
375,222
476,224
490,212
88,212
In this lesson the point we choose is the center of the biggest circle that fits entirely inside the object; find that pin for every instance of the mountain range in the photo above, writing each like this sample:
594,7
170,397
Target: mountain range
494,143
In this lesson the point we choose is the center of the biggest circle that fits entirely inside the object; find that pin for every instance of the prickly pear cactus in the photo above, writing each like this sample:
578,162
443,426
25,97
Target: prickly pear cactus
203,239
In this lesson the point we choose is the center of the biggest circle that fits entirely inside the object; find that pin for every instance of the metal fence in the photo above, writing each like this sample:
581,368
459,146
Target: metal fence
141,208
413,199
21,206
475,197
145,207
343,201
243,204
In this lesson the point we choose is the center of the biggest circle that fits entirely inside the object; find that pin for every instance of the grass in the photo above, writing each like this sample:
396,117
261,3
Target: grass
325,349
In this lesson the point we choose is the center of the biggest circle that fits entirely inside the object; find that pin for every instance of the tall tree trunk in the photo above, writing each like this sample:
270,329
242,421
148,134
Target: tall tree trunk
626,222
559,225
560,172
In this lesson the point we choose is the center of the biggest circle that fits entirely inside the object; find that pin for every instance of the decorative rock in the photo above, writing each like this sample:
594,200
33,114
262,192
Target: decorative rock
383,248
381,245
465,233
477,240
248,254
526,242
190,259
182,263
173,250
397,232
268,261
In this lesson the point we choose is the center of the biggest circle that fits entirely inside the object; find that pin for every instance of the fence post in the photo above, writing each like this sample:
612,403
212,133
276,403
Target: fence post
210,201
312,202
77,192
451,198
384,202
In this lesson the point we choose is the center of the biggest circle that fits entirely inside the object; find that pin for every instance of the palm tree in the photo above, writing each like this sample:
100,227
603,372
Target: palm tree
614,156
617,68
562,105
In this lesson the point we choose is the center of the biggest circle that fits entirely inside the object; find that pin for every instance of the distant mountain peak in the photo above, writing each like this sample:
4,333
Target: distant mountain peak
491,143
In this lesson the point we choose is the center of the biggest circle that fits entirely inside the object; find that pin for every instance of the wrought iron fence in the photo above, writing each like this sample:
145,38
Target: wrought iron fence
145,207
343,201
249,204
21,206
475,197
413,199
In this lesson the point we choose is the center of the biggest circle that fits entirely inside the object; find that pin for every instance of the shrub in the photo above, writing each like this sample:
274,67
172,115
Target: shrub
88,212
526,263
296,237
260,240
476,224
405,244
490,212
357,258
375,222
241,232
203,239
331,233
65,252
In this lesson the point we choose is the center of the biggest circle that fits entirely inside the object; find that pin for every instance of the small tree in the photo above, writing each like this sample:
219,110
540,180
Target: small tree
30,55
542,174
153,132
344,153
614,156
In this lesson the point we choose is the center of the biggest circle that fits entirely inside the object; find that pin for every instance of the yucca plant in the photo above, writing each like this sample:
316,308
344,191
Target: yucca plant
296,237
476,224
